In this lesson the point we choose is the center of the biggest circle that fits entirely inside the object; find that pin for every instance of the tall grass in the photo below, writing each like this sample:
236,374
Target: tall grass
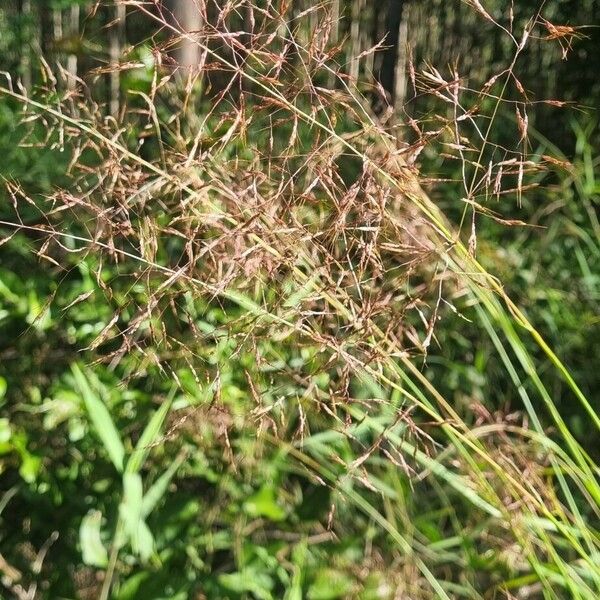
285,204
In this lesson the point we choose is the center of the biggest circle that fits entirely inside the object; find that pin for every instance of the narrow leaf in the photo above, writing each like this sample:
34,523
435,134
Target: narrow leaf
149,436
131,508
159,488
101,419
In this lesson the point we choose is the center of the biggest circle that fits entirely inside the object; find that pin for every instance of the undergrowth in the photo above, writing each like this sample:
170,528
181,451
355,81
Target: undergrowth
255,299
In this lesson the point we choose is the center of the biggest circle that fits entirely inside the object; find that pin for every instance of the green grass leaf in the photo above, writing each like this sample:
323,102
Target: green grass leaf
101,419
149,436
93,550
153,496
130,511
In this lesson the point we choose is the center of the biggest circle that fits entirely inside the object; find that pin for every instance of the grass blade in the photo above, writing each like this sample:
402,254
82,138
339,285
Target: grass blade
149,436
101,419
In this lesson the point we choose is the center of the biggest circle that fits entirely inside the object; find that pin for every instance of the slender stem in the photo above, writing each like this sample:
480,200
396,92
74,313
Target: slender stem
112,563
110,571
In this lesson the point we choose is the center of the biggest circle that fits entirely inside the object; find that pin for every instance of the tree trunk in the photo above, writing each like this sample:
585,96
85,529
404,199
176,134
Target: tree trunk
391,73
74,35
355,39
187,18
117,39
25,58
46,27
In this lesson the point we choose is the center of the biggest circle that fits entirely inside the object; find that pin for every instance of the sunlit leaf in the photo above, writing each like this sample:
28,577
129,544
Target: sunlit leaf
264,504
93,550
148,437
101,419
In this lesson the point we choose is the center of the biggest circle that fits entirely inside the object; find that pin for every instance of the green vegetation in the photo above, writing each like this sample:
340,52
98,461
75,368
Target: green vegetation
269,330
